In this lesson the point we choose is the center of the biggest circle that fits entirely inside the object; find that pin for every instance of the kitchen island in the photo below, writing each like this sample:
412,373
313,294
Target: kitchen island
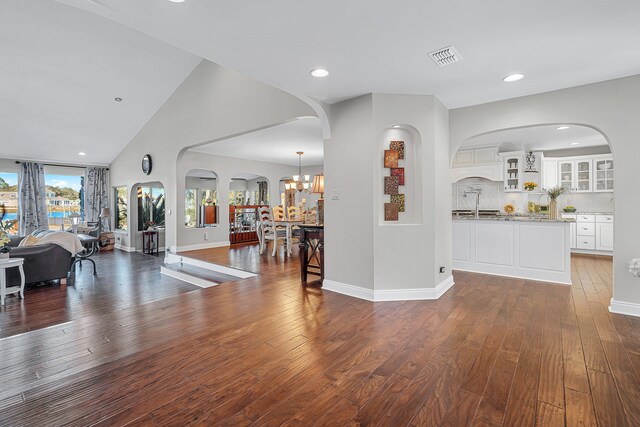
528,248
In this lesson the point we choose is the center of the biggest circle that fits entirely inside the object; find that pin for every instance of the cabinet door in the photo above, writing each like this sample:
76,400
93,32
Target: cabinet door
582,182
603,175
549,173
573,233
604,236
512,169
565,174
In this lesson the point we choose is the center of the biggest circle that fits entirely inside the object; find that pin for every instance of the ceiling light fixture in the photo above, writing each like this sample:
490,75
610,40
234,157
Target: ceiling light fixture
575,143
176,1
117,99
562,127
396,126
513,78
319,73
82,153
296,183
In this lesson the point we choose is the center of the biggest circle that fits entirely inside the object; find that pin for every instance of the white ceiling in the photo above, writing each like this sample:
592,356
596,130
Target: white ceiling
381,46
543,138
62,67
277,144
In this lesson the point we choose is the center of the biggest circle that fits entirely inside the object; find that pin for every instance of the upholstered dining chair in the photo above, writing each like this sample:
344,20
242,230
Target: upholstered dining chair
268,230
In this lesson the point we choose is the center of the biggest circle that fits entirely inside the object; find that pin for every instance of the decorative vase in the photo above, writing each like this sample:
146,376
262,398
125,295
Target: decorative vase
553,209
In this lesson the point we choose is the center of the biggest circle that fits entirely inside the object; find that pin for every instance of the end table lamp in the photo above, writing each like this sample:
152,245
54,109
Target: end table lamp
318,188
104,214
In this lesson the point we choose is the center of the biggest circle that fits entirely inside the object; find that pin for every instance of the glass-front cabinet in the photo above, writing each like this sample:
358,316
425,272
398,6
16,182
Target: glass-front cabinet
575,175
512,171
603,169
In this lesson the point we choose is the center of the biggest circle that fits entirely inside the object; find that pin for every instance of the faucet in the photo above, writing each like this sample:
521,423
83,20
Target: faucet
477,192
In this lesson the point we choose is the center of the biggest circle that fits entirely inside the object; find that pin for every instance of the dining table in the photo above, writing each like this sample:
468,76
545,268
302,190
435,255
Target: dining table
288,224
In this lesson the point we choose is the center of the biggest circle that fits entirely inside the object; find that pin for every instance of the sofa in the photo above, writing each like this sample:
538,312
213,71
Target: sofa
42,263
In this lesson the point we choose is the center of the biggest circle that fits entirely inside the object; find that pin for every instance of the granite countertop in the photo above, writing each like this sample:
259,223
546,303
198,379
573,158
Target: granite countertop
512,218
586,213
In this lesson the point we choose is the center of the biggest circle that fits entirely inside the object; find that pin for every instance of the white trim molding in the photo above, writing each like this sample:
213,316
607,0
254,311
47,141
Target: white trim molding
627,308
125,248
382,295
170,258
210,245
187,277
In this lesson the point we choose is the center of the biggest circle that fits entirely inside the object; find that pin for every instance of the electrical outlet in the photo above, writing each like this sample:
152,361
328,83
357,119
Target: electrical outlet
206,236
335,195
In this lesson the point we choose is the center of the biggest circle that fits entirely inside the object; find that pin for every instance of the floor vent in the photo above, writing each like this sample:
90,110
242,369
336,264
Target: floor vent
445,56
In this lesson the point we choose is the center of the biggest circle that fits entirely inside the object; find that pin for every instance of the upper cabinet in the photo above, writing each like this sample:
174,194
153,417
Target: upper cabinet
580,174
475,156
603,174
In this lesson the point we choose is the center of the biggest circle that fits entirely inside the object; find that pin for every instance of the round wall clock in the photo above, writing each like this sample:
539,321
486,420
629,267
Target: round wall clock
146,164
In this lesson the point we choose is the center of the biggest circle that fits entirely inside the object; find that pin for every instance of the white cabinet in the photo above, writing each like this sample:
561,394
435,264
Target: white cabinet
476,156
549,173
575,175
604,232
573,230
586,230
464,158
512,166
603,174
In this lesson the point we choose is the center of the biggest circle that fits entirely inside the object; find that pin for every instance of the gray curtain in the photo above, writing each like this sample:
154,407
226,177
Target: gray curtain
262,193
32,198
96,193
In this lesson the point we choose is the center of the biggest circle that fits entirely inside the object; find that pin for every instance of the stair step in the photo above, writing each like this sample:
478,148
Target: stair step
196,275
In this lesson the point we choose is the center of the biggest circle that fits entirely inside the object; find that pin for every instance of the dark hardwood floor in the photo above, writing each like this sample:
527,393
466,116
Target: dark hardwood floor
266,351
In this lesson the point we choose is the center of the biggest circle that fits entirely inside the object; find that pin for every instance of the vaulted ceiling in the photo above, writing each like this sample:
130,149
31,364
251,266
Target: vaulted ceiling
65,61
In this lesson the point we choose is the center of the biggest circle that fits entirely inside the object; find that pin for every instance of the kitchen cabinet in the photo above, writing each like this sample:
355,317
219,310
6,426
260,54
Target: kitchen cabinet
549,173
476,156
573,230
512,171
603,174
576,175
604,232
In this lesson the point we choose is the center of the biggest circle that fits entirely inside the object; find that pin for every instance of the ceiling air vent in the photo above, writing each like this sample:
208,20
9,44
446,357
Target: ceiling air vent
445,56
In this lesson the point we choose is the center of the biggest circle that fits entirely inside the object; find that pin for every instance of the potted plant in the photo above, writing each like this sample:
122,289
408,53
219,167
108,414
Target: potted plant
530,185
5,227
553,194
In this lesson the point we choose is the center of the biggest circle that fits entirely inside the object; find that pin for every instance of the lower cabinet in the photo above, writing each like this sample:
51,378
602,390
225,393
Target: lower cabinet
604,236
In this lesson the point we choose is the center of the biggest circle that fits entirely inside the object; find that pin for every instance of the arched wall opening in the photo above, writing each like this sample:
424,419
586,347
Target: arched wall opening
147,210
201,199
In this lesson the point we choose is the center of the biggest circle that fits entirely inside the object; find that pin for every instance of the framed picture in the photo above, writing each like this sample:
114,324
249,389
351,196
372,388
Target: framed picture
390,158
399,147
399,172
390,185
390,212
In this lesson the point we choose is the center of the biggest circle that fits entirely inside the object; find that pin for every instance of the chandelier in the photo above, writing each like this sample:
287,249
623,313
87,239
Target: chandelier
296,183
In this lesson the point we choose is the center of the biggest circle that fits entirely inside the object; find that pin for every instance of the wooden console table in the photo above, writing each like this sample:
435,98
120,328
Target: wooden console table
311,248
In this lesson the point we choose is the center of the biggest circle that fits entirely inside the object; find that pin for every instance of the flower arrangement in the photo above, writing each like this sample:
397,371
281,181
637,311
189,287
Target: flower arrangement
555,192
530,185
509,208
149,225
634,267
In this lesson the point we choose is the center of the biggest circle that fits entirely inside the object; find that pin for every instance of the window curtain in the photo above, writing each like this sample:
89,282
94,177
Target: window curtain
262,192
96,195
32,198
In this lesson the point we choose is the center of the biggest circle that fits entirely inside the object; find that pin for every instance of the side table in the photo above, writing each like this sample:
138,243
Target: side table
9,263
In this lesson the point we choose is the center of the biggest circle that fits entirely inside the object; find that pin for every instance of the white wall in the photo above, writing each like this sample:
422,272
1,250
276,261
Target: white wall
611,107
213,103
363,253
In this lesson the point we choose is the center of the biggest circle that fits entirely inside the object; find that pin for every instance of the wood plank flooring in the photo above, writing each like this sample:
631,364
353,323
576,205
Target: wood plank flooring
266,351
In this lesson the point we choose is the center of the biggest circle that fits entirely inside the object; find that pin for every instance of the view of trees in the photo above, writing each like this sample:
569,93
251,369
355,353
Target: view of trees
66,192
4,186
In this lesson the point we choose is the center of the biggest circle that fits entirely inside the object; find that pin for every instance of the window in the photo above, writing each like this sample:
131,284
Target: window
190,207
63,198
9,199
120,198
150,207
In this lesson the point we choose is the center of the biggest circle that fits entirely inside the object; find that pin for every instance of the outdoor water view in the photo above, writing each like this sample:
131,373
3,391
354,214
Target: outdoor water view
63,198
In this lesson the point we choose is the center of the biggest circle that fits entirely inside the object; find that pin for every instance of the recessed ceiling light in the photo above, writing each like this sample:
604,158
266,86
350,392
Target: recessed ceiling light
575,143
176,1
82,153
513,78
396,126
319,72
562,127
117,99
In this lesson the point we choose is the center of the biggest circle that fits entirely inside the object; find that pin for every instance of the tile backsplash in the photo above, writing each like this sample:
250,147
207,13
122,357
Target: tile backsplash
494,197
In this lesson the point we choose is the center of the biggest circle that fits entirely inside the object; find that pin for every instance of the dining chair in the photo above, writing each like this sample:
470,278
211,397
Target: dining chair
268,231
294,212
278,212
311,216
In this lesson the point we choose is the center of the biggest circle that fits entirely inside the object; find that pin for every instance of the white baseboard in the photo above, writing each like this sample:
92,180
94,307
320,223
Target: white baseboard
389,294
125,248
209,245
350,290
170,258
627,308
